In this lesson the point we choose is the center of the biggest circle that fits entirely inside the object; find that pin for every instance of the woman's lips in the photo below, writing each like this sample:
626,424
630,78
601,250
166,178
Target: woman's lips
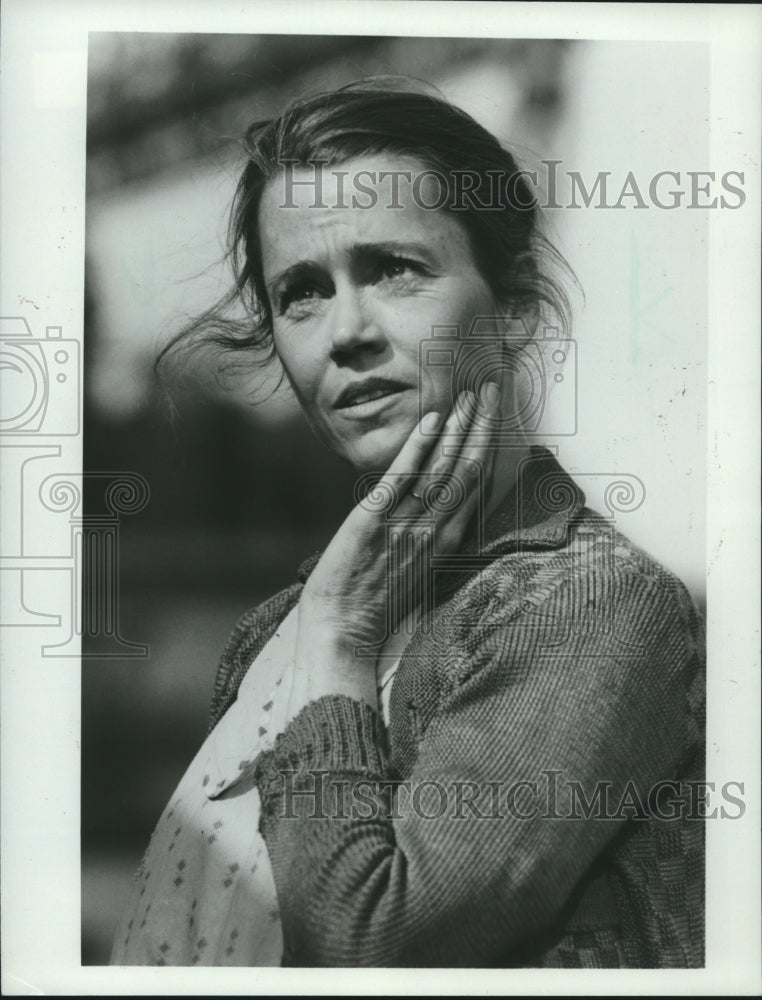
369,404
367,390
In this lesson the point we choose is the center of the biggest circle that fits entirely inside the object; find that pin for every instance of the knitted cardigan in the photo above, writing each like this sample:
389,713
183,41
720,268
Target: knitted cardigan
531,803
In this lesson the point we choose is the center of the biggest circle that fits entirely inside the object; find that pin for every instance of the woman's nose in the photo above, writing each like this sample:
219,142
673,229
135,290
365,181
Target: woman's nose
353,325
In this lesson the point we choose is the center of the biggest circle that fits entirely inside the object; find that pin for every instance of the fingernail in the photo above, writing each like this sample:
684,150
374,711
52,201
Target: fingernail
463,401
431,421
489,394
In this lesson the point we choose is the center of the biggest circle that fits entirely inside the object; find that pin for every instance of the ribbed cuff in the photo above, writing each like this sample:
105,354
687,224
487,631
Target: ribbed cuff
335,734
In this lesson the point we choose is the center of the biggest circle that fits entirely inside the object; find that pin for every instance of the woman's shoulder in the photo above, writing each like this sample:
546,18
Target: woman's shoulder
597,547
546,548
246,640
596,589
603,574
256,624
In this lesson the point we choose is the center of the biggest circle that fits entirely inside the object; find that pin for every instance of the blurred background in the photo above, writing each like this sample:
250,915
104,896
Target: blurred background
241,491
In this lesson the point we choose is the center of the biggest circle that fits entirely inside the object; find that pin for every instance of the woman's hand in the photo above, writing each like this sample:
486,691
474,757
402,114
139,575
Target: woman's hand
373,572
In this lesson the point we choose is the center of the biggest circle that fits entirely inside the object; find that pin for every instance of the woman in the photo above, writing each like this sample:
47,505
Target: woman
466,735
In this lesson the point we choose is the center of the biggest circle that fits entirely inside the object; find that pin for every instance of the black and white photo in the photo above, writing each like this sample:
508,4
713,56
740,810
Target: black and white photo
371,493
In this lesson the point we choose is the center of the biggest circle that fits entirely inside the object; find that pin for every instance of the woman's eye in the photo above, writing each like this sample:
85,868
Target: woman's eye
398,267
299,295
394,268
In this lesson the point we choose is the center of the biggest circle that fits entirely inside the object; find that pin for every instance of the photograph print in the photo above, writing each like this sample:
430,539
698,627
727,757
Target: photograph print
401,345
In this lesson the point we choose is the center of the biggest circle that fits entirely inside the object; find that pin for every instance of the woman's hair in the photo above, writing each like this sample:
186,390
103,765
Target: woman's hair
391,117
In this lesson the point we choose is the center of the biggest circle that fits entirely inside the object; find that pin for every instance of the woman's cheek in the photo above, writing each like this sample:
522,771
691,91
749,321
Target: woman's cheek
435,388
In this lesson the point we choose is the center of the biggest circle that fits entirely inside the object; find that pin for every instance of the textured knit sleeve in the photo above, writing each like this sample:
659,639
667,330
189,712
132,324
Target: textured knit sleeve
482,848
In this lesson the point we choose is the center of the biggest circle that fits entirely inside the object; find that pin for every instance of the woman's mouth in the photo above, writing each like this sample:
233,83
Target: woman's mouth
368,397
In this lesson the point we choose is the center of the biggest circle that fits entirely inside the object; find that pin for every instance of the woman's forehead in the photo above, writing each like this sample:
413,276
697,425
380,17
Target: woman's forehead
327,208
335,184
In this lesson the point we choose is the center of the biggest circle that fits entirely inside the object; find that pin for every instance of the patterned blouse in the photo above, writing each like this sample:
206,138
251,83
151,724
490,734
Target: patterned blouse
204,892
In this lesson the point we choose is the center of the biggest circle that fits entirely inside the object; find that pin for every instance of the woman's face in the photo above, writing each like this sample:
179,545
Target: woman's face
354,292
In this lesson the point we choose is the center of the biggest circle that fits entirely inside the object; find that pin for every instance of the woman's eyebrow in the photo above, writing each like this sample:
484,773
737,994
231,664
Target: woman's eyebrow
361,252
301,269
393,247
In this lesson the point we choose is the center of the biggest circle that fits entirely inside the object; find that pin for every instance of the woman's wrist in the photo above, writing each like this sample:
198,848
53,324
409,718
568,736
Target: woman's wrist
326,663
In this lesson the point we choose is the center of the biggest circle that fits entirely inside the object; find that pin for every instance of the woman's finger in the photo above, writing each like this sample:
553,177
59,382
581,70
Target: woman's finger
442,456
471,469
423,448
455,458
412,454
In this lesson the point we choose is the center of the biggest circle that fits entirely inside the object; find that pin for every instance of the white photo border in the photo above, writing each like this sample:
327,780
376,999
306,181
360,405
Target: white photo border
44,59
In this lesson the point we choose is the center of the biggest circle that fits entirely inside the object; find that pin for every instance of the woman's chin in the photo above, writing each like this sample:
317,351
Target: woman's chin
376,450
